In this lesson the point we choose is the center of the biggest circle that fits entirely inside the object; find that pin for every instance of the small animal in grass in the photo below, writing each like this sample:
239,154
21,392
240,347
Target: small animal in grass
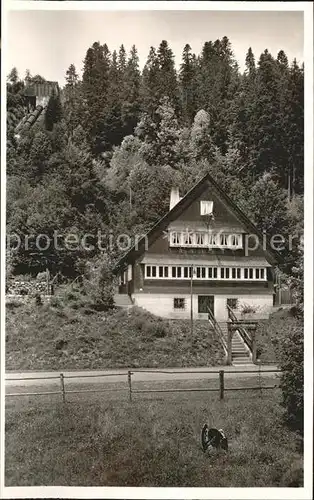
213,440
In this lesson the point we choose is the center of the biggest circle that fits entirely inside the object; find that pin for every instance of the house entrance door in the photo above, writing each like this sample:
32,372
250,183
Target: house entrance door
206,302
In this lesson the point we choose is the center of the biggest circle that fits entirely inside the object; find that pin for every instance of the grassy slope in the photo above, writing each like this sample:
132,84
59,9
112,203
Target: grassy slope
153,441
52,338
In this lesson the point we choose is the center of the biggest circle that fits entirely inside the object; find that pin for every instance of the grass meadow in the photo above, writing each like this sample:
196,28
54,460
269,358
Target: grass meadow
154,440
69,336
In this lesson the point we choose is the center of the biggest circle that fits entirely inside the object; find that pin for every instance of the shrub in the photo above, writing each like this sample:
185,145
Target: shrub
38,300
247,309
291,362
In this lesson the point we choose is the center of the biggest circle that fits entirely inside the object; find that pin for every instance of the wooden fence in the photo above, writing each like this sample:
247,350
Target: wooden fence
132,390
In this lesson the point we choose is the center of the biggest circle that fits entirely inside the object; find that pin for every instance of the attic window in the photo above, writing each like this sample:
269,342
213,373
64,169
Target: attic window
207,207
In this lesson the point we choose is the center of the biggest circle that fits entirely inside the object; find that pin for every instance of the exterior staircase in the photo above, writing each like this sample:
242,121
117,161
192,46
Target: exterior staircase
240,352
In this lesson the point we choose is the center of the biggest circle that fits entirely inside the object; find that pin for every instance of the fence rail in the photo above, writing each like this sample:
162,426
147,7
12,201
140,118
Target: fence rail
131,390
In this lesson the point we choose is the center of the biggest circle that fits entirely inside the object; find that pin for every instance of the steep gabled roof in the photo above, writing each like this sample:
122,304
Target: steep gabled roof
178,209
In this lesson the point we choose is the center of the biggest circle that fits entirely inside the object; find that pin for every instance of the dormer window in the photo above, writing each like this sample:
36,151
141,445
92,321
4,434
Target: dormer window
207,207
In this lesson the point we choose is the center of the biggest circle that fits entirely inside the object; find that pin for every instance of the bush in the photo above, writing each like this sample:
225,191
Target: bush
291,362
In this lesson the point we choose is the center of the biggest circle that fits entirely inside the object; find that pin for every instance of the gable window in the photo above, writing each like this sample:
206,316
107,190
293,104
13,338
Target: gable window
178,303
235,240
223,240
212,238
207,207
187,238
200,239
175,238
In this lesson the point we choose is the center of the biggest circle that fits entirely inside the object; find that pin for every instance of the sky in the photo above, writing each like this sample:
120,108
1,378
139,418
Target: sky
47,42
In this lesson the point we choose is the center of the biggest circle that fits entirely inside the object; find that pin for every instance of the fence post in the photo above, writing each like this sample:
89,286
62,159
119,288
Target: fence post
221,383
62,386
130,384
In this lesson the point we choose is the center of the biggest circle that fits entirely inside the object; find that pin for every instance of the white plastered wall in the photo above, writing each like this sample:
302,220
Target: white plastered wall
162,304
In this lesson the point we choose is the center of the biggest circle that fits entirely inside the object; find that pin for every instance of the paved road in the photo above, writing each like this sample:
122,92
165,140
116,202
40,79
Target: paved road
14,379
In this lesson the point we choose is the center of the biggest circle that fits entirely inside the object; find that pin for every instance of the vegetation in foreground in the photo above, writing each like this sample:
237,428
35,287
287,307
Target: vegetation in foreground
68,336
150,442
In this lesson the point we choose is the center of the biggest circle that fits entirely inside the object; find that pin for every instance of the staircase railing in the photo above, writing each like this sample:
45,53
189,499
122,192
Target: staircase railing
242,331
216,327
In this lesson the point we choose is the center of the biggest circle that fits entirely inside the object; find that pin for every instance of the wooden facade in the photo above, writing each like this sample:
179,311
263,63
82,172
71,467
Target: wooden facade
179,262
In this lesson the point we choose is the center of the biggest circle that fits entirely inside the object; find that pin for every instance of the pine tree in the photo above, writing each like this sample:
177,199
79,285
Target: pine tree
149,85
131,93
53,112
167,76
188,84
71,76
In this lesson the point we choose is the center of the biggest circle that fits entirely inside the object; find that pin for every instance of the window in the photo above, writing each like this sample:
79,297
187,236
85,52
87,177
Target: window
215,272
232,303
222,273
227,273
154,271
210,272
235,240
198,272
174,272
178,303
187,239
175,238
203,272
251,273
238,273
212,238
223,239
206,207
186,272
178,272
161,272
166,271
257,274
262,274
200,239
233,271
148,271
246,273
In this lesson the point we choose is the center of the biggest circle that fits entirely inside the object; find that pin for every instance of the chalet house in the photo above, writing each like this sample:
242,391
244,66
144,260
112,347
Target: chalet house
195,256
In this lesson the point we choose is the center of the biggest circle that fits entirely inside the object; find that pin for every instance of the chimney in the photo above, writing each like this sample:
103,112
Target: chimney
174,197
